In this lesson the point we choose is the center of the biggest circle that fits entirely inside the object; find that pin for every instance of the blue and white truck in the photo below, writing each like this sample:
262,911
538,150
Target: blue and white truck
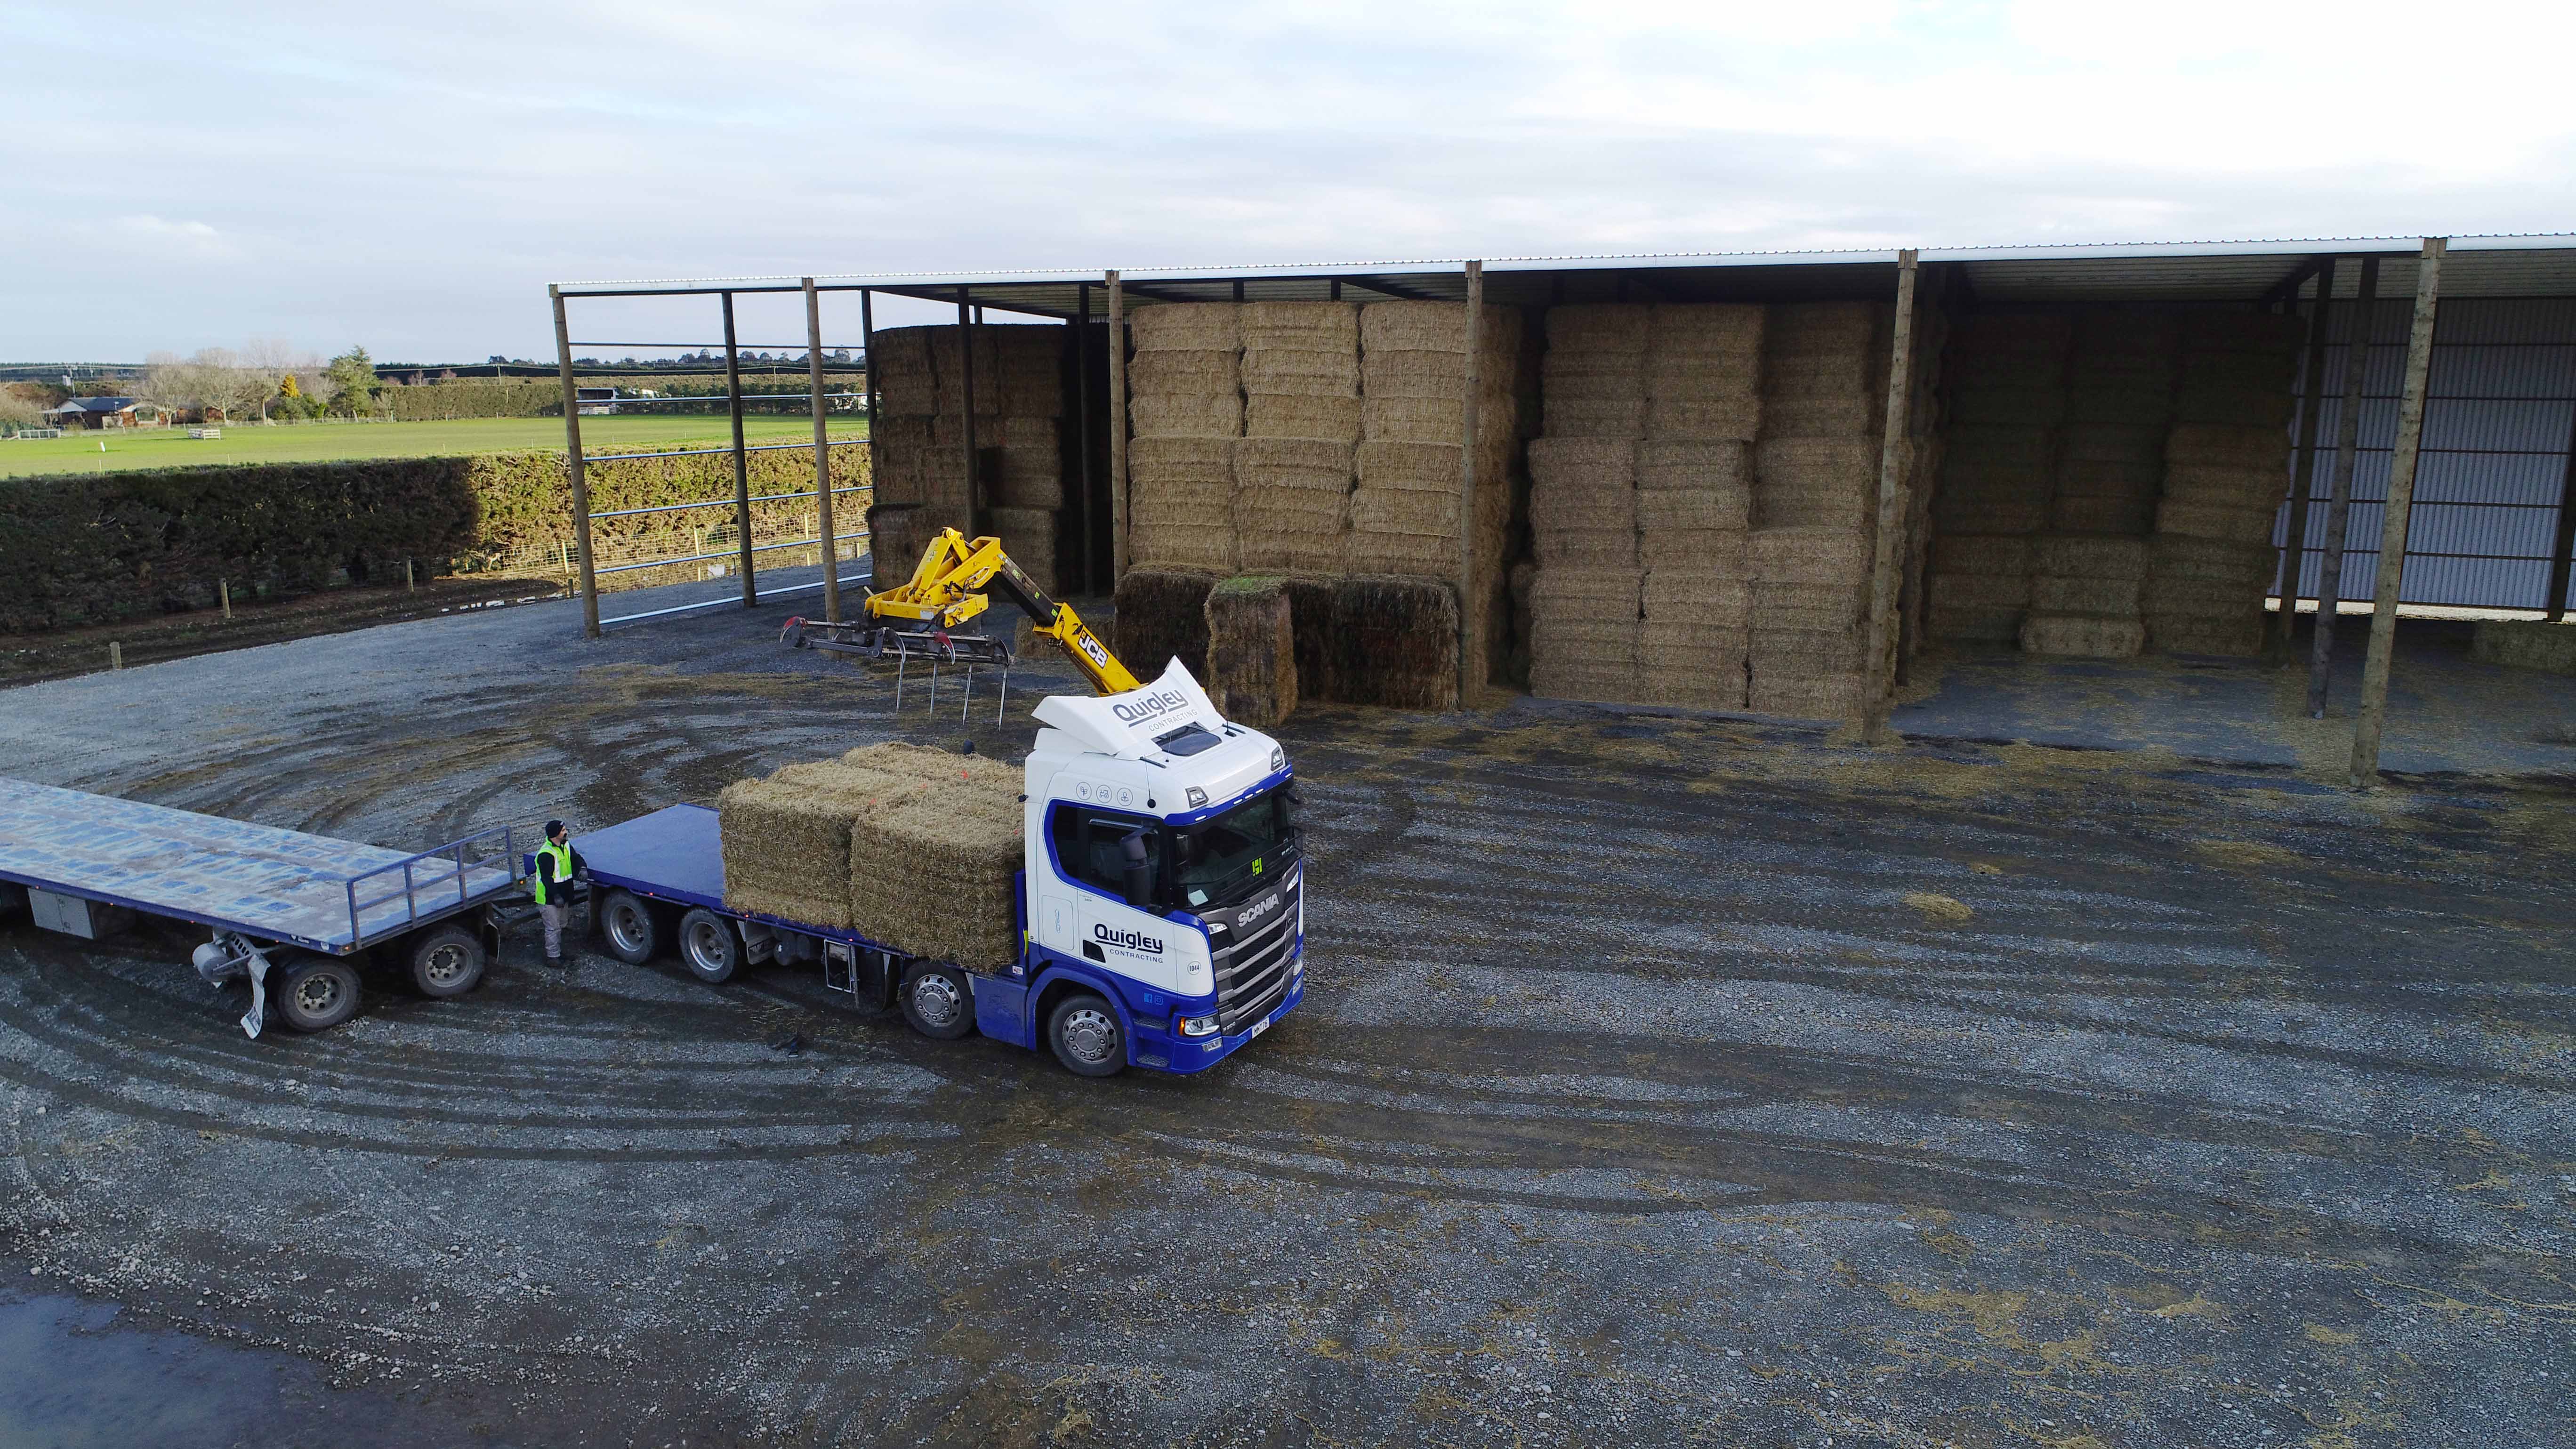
1161,895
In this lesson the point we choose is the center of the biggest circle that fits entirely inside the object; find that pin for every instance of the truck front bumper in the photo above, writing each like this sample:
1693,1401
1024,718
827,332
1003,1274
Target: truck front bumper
1186,1055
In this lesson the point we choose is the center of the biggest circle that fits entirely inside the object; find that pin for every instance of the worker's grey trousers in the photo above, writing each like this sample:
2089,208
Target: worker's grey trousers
554,919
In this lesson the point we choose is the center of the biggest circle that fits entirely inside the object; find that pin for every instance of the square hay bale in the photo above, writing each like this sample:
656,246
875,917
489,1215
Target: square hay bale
1291,503
1807,653
1252,651
1702,329
1434,327
2234,487
2000,446
1181,502
1193,416
1197,372
2238,636
1822,464
1301,326
1852,377
1310,627
2228,402
1429,376
1197,469
932,852
2138,406
1784,606
1953,513
2089,556
2206,598
1396,642
786,850
1417,419
1581,546
1713,678
2526,644
1584,629
2083,636
1590,376
2107,478
1702,375
2026,407
2061,594
1185,327
1608,327
1582,418
1717,552
1836,697
1983,593
1693,465
1297,372
1973,553
2049,332
897,533
2129,444
2240,523
1162,616
1853,415
2172,557
1276,415
1030,536
1691,510
1812,329
1686,599
2230,445
1809,555
2078,513
1716,417
1583,466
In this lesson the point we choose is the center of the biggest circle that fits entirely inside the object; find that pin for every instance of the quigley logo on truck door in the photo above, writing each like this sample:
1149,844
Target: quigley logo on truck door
1132,940
1145,709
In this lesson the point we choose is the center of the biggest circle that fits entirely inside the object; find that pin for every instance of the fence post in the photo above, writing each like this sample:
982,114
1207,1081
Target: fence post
741,459
224,595
580,477
822,456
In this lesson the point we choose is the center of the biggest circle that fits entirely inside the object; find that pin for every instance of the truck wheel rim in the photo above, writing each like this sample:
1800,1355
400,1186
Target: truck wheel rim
317,993
446,963
703,947
935,999
625,929
1090,1034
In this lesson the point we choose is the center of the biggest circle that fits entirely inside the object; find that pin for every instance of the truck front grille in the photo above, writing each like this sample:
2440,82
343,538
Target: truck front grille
1252,970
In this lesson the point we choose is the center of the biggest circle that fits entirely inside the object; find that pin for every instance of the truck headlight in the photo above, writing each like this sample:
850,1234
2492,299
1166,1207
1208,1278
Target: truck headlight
1195,1025
1278,761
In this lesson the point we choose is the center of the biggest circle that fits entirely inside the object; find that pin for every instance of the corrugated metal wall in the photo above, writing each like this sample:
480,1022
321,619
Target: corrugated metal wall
2499,419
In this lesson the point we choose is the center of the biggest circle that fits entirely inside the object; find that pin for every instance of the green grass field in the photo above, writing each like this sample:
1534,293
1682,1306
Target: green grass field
317,442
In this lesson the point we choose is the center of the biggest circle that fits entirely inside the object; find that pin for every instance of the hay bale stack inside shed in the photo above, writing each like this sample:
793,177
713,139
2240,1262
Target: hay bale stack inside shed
1180,503
1395,642
2227,465
1584,628
1185,405
2084,596
1252,652
1301,370
2119,404
1592,382
1979,587
1806,644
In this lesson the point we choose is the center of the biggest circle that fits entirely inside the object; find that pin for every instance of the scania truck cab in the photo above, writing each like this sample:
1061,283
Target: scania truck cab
1164,870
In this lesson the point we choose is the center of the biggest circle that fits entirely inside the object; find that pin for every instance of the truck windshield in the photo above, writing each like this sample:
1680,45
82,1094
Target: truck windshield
1219,858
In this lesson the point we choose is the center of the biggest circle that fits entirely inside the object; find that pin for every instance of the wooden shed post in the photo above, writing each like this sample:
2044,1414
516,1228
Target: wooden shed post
822,456
2401,506
2564,540
966,369
1117,432
2303,471
2356,365
741,460
580,480
1894,454
1471,671
1089,496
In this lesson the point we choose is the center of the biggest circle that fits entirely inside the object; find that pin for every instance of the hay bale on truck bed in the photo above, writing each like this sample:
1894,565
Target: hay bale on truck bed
1252,651
934,843
1162,616
1396,642
786,848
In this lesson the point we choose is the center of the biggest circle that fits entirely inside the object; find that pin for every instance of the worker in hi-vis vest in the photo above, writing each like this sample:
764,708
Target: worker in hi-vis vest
557,864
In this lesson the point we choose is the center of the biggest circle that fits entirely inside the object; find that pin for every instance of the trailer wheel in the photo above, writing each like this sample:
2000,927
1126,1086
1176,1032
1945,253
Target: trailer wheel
938,1002
634,935
446,962
1085,1034
316,994
709,947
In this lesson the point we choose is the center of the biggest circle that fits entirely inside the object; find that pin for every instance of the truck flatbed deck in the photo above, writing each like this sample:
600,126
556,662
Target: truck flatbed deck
676,853
327,895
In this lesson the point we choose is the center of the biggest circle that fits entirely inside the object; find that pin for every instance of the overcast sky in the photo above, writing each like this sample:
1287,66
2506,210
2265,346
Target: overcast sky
410,177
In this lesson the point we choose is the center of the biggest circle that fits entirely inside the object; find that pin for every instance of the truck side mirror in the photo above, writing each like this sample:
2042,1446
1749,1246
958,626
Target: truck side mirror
1139,872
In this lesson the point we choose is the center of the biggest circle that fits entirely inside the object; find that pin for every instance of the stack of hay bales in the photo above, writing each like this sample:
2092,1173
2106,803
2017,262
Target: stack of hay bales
2227,461
1404,505
2006,374
1162,616
1815,507
1252,650
1394,642
1592,382
1024,487
914,847
2119,405
1185,406
2084,595
1293,468
1587,601
2526,644
920,452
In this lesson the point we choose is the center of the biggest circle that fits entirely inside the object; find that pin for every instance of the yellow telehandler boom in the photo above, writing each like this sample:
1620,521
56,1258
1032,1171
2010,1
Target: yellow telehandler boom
950,587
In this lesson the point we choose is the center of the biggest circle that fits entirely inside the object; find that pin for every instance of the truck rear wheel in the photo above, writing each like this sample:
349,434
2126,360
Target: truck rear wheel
634,935
1084,1031
938,1002
446,962
709,946
316,994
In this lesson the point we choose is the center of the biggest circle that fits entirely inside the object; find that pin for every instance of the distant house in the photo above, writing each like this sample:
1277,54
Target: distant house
108,412
591,400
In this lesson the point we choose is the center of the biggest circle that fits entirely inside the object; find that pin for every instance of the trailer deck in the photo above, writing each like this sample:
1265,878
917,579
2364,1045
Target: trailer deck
675,853
327,895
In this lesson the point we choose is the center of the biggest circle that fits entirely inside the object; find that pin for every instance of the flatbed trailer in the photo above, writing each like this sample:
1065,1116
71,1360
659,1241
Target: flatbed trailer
85,865
659,880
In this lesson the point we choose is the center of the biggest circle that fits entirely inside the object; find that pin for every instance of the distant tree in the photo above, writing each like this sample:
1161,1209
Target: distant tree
353,381
18,412
288,387
496,357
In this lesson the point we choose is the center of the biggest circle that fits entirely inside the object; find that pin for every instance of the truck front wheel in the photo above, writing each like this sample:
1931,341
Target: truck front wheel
316,994
709,947
938,1002
1084,1032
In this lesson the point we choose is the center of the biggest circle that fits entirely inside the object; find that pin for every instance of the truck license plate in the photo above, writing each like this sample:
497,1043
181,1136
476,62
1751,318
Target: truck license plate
1258,1028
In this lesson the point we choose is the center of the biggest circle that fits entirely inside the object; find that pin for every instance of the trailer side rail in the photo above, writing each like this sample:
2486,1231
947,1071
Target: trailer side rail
462,872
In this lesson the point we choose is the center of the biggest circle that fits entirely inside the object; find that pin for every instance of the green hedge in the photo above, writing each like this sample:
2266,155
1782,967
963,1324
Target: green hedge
543,397
81,549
